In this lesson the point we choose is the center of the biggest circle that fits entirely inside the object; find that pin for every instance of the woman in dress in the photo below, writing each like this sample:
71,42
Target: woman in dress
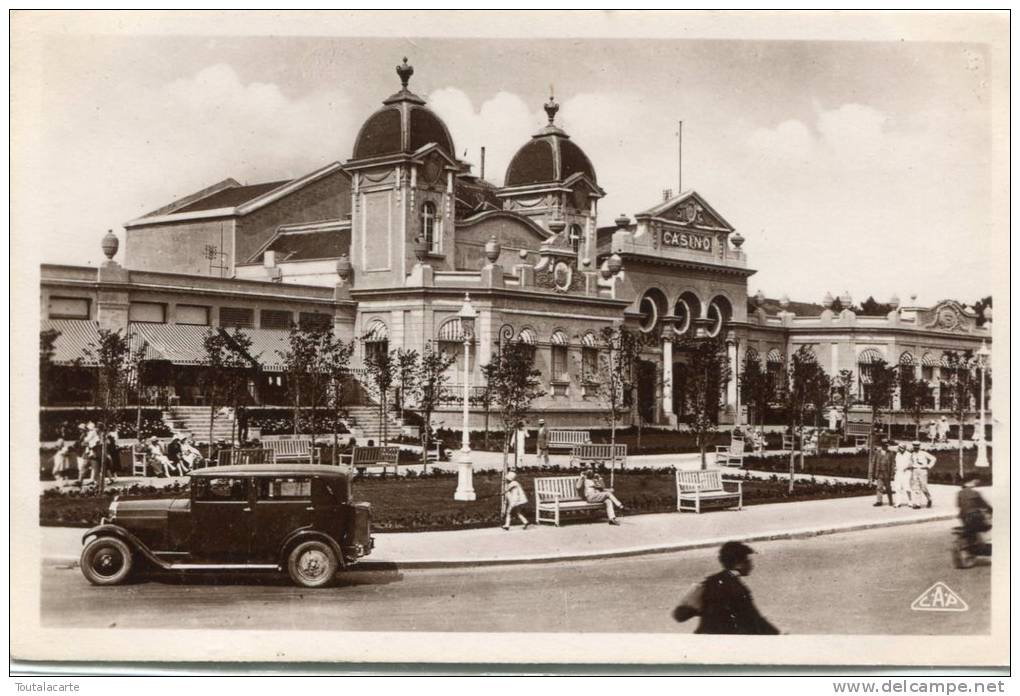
594,492
516,499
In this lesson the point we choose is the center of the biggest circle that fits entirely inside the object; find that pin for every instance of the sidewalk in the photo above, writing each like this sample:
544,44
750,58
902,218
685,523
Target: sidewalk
591,537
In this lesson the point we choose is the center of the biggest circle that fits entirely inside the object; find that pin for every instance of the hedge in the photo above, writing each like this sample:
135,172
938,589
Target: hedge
55,424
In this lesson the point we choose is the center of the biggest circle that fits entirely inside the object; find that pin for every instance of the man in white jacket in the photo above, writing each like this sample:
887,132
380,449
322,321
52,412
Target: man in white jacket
921,462
901,481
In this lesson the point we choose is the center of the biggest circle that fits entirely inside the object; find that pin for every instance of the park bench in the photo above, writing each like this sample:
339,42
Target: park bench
860,432
293,450
697,487
732,454
559,494
364,457
568,439
263,455
598,455
139,462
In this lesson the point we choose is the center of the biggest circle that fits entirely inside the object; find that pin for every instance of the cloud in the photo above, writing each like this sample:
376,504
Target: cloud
157,143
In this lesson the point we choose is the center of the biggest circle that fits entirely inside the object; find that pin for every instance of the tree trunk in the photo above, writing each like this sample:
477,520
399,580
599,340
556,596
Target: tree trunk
959,436
503,472
793,457
297,405
612,446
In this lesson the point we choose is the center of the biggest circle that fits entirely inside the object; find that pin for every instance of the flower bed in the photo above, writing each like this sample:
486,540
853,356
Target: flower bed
425,503
945,471
63,423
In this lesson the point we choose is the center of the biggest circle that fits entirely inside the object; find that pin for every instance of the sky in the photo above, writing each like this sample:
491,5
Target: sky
860,166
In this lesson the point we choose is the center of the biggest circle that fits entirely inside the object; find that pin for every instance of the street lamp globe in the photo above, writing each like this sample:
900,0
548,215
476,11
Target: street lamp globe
467,315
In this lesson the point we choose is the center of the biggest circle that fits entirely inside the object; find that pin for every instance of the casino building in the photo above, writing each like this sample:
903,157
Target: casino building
385,245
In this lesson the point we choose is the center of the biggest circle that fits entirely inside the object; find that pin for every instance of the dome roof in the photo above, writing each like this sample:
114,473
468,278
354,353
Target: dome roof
550,156
403,125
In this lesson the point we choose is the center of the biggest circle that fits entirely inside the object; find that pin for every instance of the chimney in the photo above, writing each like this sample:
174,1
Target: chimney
269,259
666,194
481,174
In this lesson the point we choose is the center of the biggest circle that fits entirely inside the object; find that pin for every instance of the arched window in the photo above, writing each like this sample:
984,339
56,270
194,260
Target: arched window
376,339
559,357
774,371
589,358
865,361
429,228
719,314
575,236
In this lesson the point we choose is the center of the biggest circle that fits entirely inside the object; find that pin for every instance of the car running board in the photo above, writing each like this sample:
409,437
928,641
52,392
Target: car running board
223,566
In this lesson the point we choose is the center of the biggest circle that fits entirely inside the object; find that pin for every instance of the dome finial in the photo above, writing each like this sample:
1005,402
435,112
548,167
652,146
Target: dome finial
551,107
405,71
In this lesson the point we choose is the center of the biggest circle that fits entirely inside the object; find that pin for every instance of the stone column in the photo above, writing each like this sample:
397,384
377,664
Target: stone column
731,385
667,375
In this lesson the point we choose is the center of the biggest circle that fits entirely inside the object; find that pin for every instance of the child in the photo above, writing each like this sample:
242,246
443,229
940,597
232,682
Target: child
516,499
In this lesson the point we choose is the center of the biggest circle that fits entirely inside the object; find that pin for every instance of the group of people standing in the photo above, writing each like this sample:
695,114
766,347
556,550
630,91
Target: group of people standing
901,475
78,460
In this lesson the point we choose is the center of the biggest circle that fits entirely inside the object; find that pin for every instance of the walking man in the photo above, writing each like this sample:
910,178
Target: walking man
943,429
884,466
726,604
901,481
542,445
921,463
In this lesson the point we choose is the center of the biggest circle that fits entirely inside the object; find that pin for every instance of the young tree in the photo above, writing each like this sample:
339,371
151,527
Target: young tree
334,362
516,384
381,366
431,374
488,371
962,385
47,349
807,385
844,384
112,357
616,382
754,388
881,381
227,366
406,371
914,397
707,371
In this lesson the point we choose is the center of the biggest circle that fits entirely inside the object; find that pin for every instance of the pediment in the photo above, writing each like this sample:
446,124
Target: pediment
689,210
948,315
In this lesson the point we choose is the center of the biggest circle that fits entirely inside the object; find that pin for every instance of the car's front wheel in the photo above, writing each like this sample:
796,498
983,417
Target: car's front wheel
312,564
106,561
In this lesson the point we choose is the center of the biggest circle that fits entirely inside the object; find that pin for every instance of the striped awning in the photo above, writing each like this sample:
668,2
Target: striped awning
78,337
869,356
774,356
526,336
589,340
181,344
266,346
558,338
451,331
907,358
930,359
376,332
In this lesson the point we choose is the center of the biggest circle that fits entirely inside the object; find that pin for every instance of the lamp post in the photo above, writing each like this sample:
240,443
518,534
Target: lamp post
982,454
465,485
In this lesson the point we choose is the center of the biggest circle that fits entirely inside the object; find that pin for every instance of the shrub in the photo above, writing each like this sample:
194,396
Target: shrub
55,424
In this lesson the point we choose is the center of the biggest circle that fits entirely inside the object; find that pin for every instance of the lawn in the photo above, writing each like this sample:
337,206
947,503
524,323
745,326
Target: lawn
946,469
425,503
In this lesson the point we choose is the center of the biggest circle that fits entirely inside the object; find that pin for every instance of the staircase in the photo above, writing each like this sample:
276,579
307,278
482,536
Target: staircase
195,420
366,419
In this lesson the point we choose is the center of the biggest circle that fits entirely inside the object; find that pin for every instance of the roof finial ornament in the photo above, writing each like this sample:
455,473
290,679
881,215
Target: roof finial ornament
404,71
551,107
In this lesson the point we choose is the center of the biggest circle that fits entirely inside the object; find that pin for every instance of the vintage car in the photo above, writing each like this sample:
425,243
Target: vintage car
293,517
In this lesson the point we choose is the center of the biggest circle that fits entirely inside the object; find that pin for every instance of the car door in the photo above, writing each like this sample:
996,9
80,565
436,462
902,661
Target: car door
222,521
283,504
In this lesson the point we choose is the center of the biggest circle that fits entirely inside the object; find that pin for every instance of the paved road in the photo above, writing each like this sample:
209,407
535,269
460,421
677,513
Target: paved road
860,582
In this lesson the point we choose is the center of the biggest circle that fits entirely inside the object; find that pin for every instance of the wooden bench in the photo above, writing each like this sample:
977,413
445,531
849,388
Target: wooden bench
731,455
706,486
139,462
598,454
293,450
559,494
246,456
860,432
364,457
568,439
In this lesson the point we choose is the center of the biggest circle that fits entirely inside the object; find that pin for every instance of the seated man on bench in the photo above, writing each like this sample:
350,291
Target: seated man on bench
593,490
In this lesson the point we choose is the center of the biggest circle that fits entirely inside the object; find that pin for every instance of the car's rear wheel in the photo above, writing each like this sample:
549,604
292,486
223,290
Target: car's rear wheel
106,561
312,564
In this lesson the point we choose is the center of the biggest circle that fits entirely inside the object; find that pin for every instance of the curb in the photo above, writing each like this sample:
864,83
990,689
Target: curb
427,564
